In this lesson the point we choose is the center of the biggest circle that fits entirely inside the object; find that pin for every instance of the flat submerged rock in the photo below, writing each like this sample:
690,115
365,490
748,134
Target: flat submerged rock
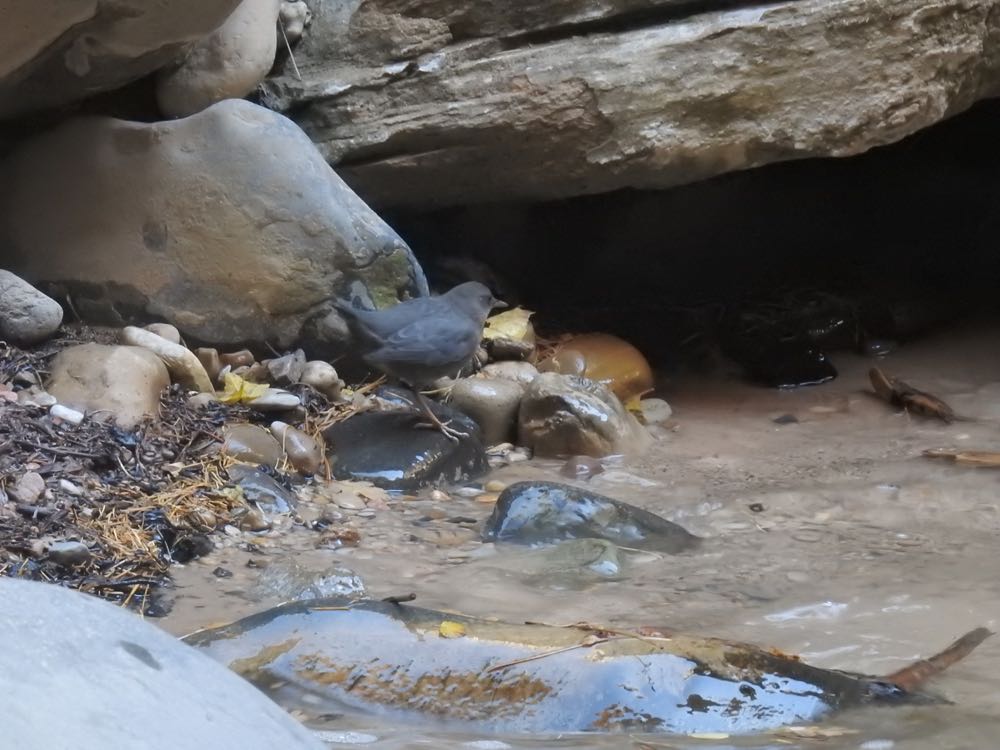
407,664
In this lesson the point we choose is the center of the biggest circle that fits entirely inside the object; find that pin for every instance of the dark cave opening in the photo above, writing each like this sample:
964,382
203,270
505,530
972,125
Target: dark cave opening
900,239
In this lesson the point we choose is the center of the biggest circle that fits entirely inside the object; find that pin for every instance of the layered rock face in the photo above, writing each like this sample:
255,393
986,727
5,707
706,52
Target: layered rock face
61,51
437,102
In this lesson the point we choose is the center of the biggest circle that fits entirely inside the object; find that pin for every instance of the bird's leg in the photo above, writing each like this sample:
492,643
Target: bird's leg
436,423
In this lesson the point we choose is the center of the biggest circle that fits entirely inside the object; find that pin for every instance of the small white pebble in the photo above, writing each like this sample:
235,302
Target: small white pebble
69,488
877,744
58,411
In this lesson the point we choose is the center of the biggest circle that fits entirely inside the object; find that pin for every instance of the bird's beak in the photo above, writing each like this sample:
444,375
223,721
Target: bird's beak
499,304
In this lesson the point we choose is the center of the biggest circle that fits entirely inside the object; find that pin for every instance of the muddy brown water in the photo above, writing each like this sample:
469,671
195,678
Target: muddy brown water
865,556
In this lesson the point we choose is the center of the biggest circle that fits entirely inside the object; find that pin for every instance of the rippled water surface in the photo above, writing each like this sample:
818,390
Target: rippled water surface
864,557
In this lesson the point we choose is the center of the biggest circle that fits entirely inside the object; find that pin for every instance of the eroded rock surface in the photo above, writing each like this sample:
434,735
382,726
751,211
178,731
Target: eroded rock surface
60,51
418,100
227,64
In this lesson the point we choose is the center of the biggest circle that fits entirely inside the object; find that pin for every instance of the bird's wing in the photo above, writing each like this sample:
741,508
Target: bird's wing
437,340
382,324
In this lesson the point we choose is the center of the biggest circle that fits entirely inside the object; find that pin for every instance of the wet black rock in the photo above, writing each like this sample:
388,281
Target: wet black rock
388,449
545,512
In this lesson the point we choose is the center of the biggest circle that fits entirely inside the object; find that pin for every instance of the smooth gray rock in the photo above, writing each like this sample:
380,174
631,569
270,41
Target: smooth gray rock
418,99
549,512
26,315
81,673
227,224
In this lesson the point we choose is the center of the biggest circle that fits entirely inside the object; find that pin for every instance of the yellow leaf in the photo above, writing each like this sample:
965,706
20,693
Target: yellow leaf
633,405
237,390
512,324
451,629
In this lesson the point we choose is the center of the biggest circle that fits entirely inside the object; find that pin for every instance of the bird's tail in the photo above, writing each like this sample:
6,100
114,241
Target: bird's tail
345,308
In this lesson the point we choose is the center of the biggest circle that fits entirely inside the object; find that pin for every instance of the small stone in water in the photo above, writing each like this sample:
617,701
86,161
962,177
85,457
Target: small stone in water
349,501
495,485
231,530
262,490
330,515
581,467
439,496
221,572
786,419
654,411
488,498
470,491
336,538
202,519
303,452
756,507
254,520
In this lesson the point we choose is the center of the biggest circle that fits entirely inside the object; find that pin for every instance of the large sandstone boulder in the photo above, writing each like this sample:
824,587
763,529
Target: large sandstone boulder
59,51
227,64
228,224
82,673
429,102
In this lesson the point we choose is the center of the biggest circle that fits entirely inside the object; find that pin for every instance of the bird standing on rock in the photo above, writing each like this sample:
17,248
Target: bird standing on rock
421,340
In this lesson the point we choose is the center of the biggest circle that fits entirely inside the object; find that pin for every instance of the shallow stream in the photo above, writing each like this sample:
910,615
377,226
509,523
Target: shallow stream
830,537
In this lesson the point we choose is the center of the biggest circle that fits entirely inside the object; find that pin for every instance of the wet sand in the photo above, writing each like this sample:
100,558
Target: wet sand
866,555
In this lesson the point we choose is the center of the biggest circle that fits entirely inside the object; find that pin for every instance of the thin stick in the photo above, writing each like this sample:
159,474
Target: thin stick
543,655
291,56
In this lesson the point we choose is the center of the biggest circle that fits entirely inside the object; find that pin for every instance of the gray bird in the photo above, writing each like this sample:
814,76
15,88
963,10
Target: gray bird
424,339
